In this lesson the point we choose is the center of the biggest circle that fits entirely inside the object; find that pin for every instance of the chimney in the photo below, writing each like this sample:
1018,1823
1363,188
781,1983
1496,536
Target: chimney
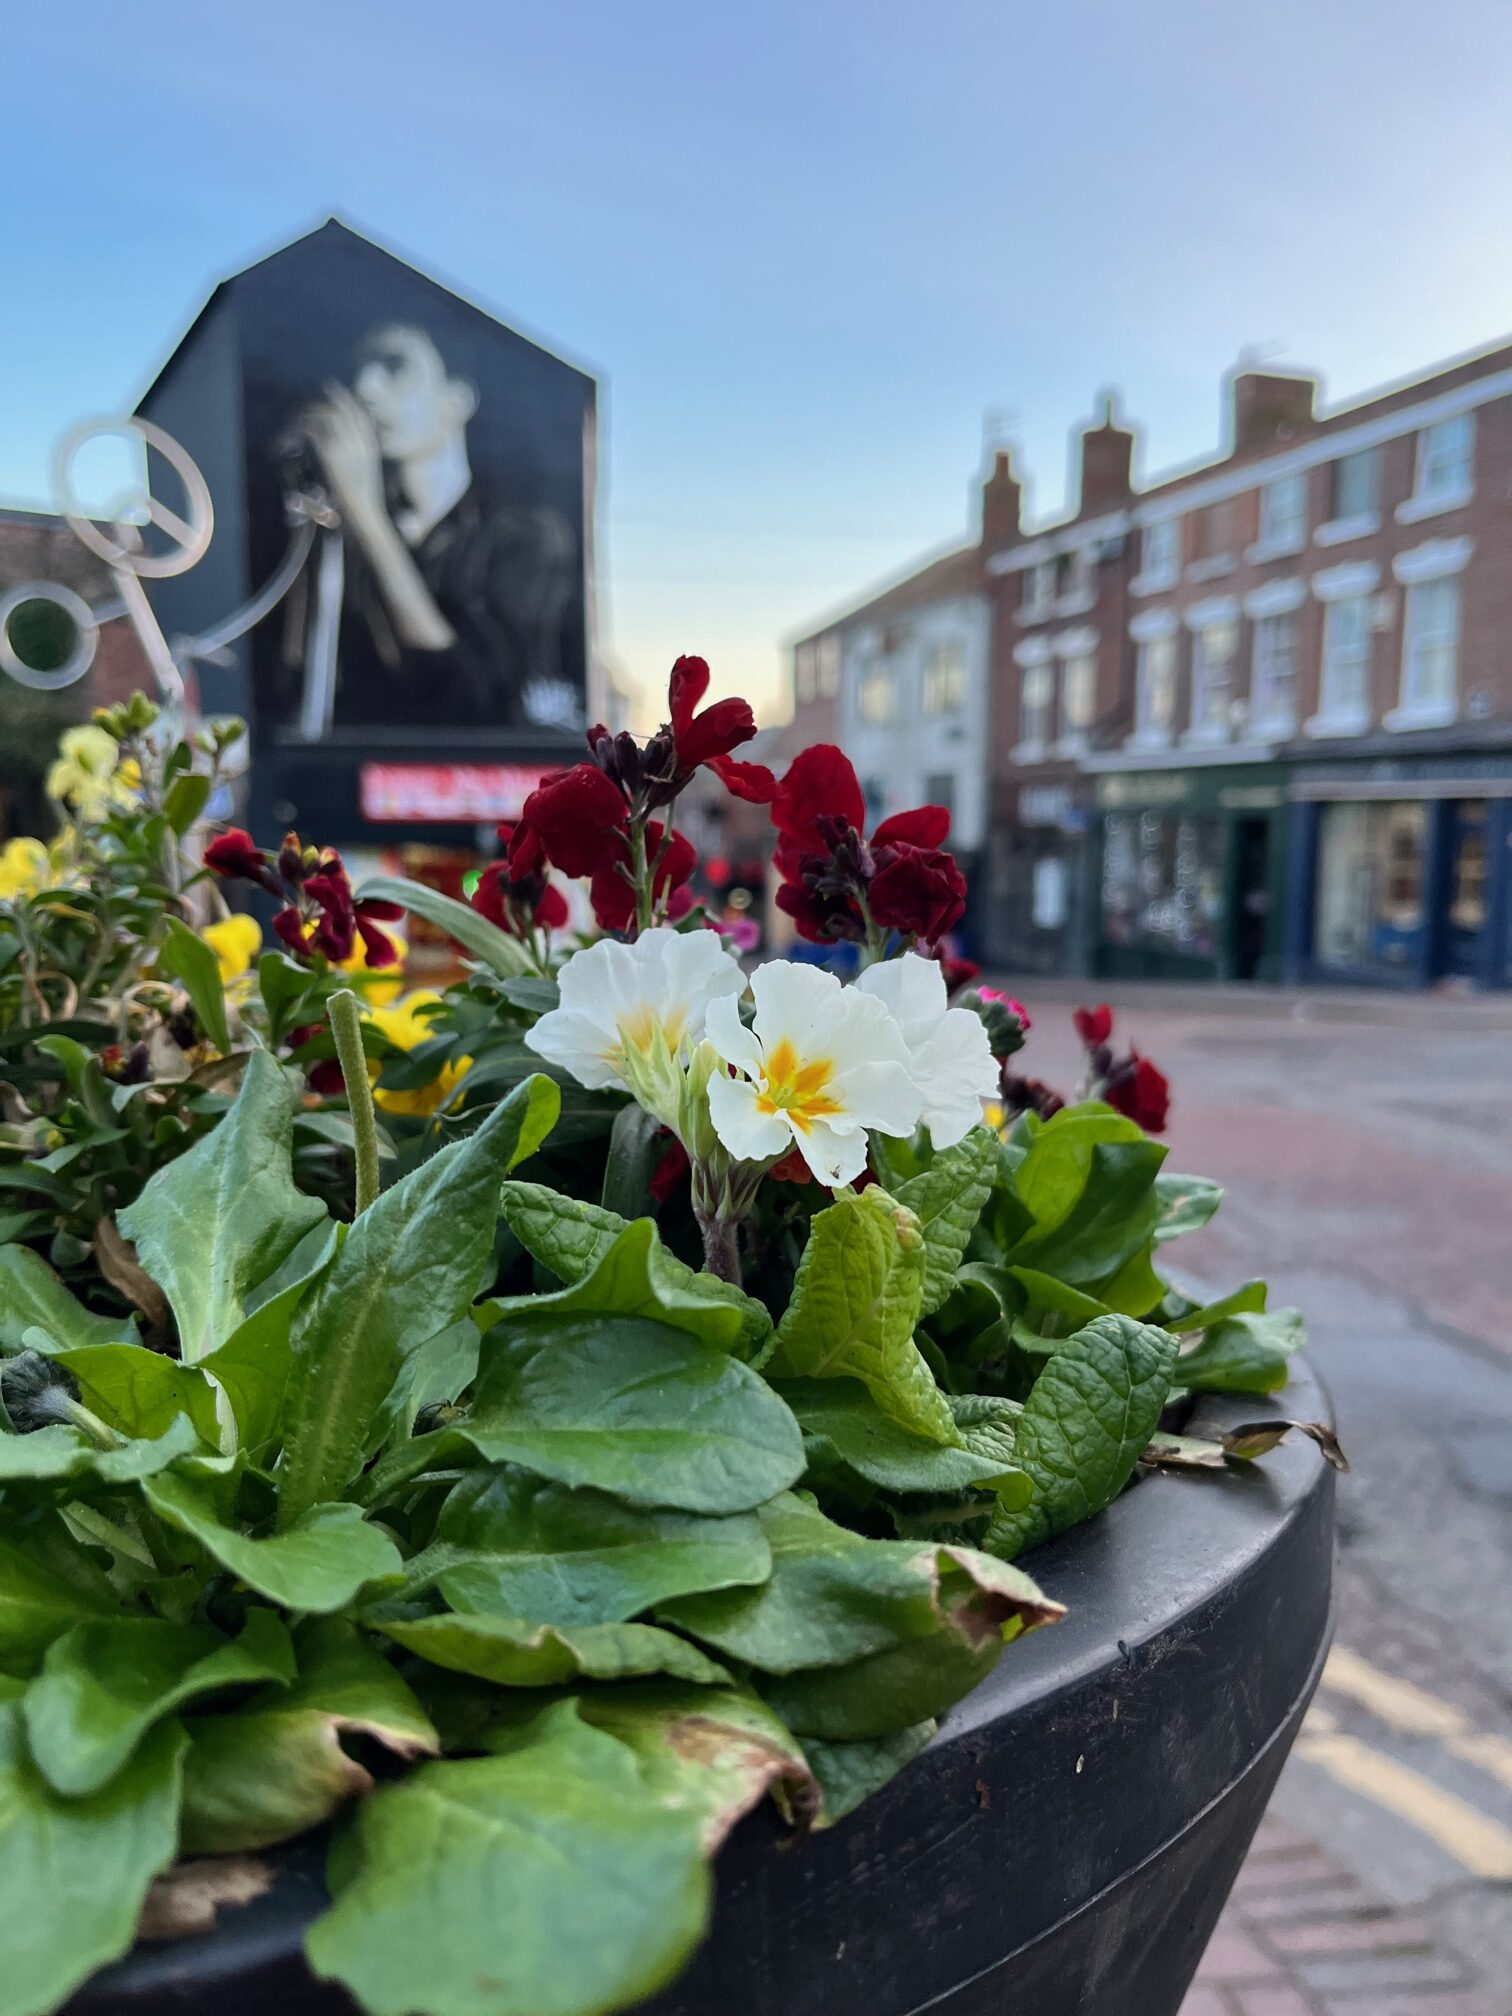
1269,407
1001,495
1107,460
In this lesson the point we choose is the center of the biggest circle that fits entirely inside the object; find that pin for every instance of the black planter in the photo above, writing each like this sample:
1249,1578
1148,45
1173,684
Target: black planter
1064,1846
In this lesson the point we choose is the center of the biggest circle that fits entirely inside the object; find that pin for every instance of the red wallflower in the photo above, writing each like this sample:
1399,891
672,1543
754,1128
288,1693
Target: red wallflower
515,905
917,890
702,737
1094,1025
1136,1088
319,911
574,819
613,898
235,854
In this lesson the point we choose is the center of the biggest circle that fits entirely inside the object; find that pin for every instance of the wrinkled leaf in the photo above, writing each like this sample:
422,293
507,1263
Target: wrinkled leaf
74,1872
1089,1416
215,1221
841,1423
947,1199
855,1304
103,1685
317,1564
548,1881
410,1265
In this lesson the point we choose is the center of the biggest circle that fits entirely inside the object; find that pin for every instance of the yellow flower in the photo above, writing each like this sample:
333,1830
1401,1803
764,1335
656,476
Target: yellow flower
89,775
23,869
236,942
407,1027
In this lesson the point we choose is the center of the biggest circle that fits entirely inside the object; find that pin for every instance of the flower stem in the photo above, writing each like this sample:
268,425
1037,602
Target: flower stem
721,1237
346,1027
640,874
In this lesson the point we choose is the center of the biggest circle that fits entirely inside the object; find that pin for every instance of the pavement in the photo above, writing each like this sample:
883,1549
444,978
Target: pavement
1366,1142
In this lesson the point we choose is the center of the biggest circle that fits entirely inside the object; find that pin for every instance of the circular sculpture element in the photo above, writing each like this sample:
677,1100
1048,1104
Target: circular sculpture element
191,536
48,635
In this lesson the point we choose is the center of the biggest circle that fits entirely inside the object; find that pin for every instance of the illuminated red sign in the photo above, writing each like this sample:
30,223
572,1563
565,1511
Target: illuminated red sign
427,794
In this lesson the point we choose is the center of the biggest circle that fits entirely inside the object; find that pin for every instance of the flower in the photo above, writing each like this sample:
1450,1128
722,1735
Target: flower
949,1055
1014,1007
701,738
319,912
236,942
1094,1025
407,1024
89,774
1005,1019
575,819
518,900
23,869
1138,1089
916,890
237,856
613,897
821,1064
630,1015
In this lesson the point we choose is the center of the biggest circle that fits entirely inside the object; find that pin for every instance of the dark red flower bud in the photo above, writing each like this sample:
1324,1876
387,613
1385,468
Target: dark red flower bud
917,890
1136,1088
288,925
1029,1095
234,853
1094,1025
573,818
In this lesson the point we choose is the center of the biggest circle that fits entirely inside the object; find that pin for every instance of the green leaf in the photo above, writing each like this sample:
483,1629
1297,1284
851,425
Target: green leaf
214,1222
515,1544
317,1564
1244,1354
835,1597
103,1685
842,1423
252,1366
1111,1221
74,1872
277,1767
635,1148
622,1268
43,1593
186,956
469,927
410,1266
855,1303
1184,1204
33,1297
1084,1426
185,799
511,1652
549,1881
626,1405
140,1392
1248,1299
947,1199
63,1455
849,1773
711,1753
1052,1174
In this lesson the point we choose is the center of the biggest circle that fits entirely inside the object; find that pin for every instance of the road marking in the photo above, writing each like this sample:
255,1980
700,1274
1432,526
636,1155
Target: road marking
1413,1711
1477,1843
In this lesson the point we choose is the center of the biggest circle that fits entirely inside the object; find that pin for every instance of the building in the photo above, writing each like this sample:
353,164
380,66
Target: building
900,682
1275,691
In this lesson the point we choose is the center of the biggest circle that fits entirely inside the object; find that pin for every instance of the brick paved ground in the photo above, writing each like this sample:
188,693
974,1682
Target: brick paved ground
1366,1142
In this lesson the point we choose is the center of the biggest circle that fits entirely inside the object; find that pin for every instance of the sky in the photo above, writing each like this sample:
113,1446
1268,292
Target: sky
814,249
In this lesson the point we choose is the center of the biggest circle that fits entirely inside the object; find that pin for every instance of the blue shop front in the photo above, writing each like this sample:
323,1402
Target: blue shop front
1399,869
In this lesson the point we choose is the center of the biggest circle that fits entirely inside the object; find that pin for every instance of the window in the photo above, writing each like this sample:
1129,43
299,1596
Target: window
1160,552
939,789
1162,882
829,667
1035,698
1445,459
945,680
1213,652
1273,674
1081,574
1155,700
1216,530
878,691
1354,485
1370,884
1283,514
1078,694
1040,585
1430,647
1346,661
804,673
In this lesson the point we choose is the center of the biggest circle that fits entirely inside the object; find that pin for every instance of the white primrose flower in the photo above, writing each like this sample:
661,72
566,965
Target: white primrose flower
631,1015
821,1065
948,1051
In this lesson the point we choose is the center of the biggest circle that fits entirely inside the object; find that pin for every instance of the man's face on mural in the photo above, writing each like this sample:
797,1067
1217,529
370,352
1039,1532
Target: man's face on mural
414,407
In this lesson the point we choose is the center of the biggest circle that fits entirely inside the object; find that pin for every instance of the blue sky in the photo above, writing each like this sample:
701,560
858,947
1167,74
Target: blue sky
806,246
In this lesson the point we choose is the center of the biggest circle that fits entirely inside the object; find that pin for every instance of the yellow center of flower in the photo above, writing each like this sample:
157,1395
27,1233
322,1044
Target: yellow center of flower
637,1031
797,1088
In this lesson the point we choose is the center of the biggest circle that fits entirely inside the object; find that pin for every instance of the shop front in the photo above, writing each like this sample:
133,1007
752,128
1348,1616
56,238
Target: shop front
1400,871
1034,918
1190,873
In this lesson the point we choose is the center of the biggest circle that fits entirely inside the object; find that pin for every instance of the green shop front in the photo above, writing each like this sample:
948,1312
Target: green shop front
1189,872
1400,870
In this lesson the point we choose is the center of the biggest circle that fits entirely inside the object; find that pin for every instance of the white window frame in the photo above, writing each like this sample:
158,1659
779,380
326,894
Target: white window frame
1036,723
878,678
1443,478
944,686
1340,714
1211,675
1283,523
1150,733
1273,693
828,673
1358,523
1156,573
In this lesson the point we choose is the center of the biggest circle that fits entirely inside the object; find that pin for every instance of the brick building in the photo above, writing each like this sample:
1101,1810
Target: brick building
1255,719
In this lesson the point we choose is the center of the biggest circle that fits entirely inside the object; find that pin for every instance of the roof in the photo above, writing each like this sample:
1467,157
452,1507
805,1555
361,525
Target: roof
337,227
952,574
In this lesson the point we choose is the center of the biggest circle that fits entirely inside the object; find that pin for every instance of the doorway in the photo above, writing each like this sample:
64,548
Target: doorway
1469,909
1251,895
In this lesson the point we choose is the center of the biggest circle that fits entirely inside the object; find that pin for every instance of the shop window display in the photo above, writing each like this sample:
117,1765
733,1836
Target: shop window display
1370,885
1163,882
